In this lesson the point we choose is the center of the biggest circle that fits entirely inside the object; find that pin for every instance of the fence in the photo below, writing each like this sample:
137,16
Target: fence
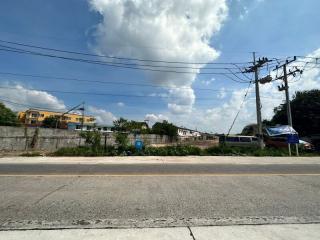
46,139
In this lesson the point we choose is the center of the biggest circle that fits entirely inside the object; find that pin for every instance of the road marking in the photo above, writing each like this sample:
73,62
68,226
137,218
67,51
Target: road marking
160,175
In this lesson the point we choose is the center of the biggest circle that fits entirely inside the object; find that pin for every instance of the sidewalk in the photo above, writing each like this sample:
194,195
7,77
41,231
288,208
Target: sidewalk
242,232
160,159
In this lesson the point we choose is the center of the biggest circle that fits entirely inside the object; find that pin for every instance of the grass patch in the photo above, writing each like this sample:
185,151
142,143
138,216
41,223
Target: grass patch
31,154
88,151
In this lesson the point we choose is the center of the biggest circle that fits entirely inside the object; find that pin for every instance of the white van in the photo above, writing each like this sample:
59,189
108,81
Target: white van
239,141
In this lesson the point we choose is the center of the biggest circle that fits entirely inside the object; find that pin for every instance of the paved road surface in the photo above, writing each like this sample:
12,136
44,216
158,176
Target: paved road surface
158,169
157,195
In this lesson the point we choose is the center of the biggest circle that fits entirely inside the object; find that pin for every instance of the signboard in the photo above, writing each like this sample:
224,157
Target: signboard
292,138
138,144
281,130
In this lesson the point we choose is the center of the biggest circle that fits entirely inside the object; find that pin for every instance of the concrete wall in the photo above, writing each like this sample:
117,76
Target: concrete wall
46,139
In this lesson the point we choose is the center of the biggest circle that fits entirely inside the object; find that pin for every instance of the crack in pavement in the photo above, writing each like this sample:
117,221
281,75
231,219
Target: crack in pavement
191,233
48,194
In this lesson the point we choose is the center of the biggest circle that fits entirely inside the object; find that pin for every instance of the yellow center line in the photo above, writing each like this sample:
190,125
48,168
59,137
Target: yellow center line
161,175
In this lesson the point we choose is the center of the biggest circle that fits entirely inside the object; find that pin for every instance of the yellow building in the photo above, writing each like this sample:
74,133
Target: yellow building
35,117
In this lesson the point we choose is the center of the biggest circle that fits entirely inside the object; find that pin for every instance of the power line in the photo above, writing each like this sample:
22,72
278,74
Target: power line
116,57
30,106
117,65
106,94
100,94
110,82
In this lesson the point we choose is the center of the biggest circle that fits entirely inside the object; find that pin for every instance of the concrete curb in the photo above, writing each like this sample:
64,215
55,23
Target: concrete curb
159,159
154,223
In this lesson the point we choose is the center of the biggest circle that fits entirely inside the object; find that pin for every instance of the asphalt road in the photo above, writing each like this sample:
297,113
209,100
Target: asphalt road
157,169
157,195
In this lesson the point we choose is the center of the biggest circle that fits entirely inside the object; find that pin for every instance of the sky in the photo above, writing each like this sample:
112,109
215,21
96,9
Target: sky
186,39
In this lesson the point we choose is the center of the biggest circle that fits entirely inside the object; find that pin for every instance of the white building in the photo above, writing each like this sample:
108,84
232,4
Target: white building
188,133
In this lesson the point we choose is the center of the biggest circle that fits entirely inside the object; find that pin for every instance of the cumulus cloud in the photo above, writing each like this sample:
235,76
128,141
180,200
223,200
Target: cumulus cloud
19,98
153,118
161,29
102,116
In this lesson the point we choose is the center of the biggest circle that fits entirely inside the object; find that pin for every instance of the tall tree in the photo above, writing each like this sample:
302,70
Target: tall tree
305,108
120,124
165,128
8,117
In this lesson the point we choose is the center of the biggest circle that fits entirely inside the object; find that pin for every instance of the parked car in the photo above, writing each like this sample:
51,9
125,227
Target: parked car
306,145
239,141
281,142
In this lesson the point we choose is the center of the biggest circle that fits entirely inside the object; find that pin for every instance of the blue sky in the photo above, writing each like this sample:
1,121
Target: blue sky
270,27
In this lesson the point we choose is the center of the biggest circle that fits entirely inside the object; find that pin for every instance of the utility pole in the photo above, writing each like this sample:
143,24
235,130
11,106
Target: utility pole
285,88
258,102
82,109
255,69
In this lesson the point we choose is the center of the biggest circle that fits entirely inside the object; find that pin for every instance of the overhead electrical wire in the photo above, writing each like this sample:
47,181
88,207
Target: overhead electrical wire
110,82
116,57
107,94
118,65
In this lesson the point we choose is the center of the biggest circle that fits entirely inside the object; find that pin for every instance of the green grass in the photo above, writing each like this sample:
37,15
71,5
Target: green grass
31,154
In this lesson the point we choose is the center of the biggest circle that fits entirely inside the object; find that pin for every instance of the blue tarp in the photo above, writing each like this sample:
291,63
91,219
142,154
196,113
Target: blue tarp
280,130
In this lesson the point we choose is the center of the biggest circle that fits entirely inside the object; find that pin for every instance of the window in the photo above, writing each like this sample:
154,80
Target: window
33,121
34,115
254,139
245,139
232,139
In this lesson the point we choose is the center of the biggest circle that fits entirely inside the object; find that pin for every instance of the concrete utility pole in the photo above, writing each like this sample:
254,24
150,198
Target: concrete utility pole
82,120
258,102
286,89
255,69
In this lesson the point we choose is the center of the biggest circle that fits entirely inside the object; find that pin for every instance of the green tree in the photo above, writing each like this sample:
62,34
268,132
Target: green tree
305,109
120,124
8,117
50,122
165,128
92,138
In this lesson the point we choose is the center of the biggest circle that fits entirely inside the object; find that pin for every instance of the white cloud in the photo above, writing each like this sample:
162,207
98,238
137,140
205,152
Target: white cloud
208,82
120,104
102,116
222,94
161,29
153,118
25,98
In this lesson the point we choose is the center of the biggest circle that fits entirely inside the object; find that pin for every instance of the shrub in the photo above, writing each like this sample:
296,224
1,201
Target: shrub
122,141
172,151
86,151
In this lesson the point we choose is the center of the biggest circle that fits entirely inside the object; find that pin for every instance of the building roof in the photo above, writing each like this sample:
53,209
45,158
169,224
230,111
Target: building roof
45,110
